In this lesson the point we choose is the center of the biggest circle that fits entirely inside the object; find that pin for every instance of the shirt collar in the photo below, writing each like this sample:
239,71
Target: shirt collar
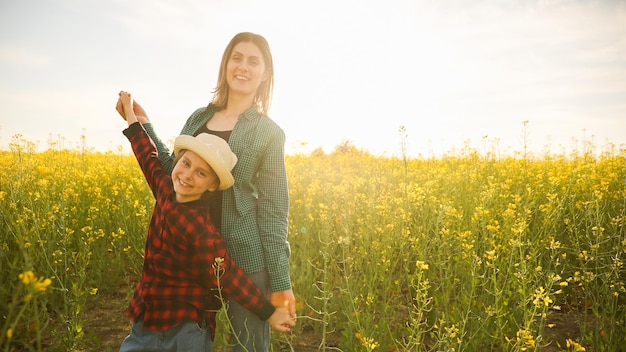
200,203
249,114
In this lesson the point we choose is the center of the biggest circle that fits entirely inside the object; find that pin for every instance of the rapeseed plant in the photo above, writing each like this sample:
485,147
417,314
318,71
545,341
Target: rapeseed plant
464,252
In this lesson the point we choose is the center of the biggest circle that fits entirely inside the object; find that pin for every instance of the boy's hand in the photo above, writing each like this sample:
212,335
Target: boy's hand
281,320
125,98
126,102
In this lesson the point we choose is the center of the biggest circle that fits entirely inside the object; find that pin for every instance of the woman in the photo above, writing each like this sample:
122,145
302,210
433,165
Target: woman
252,215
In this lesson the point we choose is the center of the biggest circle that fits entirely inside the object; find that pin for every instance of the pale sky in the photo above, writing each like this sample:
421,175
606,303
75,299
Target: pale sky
451,71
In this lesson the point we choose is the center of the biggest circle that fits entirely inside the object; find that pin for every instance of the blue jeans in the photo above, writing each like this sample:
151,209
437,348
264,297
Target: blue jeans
253,332
188,337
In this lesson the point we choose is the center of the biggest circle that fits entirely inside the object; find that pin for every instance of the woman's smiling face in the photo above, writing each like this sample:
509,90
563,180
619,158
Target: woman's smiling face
245,70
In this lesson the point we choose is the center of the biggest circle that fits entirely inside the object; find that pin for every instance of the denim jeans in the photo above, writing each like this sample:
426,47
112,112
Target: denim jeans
187,337
252,332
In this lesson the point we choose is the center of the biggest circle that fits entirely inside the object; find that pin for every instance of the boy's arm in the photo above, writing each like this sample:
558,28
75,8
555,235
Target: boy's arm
139,114
235,283
143,147
146,155
127,107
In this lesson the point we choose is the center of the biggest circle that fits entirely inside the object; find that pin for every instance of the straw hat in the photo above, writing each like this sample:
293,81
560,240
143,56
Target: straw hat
214,150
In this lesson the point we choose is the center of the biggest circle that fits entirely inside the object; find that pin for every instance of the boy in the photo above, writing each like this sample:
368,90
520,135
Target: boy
185,259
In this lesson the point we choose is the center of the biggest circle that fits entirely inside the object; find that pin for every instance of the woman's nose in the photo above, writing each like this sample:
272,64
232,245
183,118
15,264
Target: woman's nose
243,66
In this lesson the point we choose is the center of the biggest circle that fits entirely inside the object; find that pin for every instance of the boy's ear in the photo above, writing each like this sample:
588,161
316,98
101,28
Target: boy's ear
213,187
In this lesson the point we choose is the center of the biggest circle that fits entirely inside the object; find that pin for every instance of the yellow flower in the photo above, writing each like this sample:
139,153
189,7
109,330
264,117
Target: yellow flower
43,171
576,347
526,338
93,291
421,265
541,298
490,255
554,244
36,284
367,342
217,267
27,277
9,333
41,284
491,311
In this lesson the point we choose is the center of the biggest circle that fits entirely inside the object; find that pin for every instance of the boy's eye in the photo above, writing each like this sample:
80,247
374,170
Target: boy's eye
201,173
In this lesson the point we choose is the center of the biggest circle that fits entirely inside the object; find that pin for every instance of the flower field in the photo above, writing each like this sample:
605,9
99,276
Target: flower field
464,252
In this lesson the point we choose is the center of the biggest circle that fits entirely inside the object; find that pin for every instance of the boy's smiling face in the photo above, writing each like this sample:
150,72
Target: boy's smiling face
192,176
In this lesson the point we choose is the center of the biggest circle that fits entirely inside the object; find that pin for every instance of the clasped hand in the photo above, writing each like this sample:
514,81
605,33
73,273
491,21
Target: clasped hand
142,117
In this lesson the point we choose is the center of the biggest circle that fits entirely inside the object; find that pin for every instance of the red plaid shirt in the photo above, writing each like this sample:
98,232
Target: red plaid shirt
178,281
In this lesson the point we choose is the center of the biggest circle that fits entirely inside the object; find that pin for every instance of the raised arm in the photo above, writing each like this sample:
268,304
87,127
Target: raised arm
137,110
124,107
142,117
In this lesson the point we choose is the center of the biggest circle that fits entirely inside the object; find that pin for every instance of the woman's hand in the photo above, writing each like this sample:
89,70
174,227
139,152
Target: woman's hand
142,117
120,108
284,299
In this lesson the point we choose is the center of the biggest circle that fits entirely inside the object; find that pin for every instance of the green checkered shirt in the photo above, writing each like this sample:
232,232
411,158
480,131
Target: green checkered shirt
255,209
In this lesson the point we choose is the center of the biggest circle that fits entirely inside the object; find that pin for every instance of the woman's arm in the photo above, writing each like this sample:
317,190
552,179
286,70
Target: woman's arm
273,209
191,126
166,157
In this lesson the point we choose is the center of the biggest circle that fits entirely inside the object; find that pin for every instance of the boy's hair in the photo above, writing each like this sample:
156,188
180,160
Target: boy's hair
179,155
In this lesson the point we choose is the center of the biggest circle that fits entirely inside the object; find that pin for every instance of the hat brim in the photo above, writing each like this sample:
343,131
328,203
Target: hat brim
185,142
